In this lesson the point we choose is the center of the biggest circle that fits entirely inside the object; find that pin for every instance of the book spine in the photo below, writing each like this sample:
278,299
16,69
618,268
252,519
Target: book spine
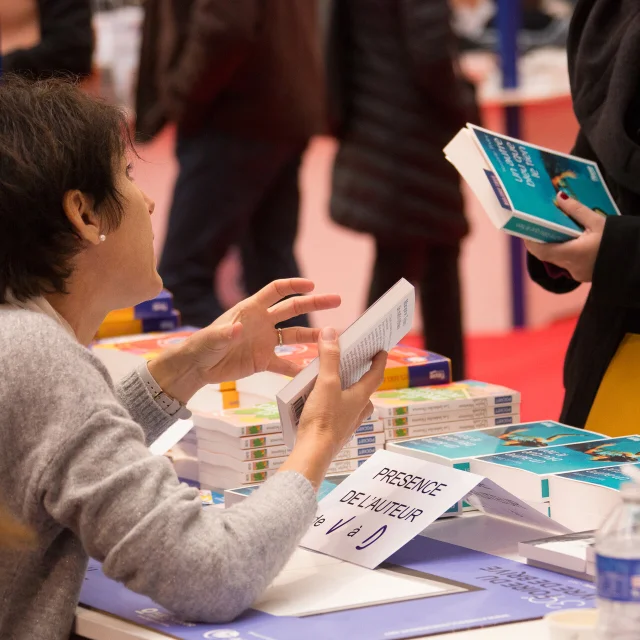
524,228
369,427
448,406
449,427
259,429
428,374
473,413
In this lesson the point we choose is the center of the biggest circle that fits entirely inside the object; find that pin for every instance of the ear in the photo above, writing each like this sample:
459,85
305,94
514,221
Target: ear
78,208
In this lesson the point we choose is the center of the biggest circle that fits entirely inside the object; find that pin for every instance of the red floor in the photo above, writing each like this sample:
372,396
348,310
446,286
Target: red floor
529,361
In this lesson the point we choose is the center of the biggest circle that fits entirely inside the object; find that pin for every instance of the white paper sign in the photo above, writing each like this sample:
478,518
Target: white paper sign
493,500
390,499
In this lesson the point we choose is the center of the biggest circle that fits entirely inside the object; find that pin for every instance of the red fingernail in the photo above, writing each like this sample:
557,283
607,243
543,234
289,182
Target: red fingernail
562,195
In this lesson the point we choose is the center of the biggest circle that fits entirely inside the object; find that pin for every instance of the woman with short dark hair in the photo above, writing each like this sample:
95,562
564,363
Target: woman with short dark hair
76,242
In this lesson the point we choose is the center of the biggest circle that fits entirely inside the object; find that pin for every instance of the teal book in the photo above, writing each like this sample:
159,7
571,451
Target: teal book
527,472
458,449
588,496
518,183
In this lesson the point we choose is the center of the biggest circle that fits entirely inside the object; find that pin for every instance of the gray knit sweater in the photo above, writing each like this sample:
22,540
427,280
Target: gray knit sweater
74,465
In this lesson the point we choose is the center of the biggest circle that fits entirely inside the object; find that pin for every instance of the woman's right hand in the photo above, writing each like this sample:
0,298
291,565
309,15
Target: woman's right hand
331,415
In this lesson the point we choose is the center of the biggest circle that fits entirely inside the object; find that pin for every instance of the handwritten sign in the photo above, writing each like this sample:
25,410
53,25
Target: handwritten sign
392,498
376,510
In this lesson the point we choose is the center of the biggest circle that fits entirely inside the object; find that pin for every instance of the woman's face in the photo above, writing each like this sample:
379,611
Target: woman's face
129,249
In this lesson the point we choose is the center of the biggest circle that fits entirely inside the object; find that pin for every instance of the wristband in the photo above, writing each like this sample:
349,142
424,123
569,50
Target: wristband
169,405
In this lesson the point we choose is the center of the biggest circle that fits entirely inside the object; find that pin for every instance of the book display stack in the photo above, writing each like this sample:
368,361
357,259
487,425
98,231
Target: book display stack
529,472
433,410
459,450
406,367
157,314
246,446
121,355
581,500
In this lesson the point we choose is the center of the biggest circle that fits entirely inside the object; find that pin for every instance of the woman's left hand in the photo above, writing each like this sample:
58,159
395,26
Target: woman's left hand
242,341
577,256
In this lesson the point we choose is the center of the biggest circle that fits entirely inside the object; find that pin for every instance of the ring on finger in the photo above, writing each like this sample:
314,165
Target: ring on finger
280,339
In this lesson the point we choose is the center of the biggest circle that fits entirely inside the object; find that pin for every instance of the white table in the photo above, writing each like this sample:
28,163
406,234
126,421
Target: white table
474,531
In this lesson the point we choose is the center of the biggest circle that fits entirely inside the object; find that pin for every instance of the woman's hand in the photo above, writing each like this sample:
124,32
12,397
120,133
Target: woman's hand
331,415
577,256
242,341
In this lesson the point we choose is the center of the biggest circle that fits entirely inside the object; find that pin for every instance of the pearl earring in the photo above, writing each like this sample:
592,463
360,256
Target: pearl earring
102,237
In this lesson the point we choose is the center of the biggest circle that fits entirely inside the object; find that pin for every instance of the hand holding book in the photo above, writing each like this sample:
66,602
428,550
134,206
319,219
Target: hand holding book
578,256
331,413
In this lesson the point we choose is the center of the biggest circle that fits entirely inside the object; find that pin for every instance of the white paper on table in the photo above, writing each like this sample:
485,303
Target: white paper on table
170,438
313,583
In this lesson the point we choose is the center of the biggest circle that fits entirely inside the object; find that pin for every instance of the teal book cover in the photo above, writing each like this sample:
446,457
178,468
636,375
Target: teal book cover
530,177
327,486
609,477
575,457
471,444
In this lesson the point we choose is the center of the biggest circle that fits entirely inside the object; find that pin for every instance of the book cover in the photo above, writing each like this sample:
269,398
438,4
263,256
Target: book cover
146,324
250,421
457,449
518,182
457,396
378,329
233,496
529,470
161,305
421,431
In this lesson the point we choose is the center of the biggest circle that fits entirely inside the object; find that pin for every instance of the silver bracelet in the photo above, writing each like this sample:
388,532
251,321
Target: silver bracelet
169,405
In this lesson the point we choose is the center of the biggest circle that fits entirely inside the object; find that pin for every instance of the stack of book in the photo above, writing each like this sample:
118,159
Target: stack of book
406,367
458,450
121,355
432,410
246,446
528,473
153,315
581,500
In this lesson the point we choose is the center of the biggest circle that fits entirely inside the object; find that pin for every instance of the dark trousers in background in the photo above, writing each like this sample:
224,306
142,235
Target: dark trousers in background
230,191
434,268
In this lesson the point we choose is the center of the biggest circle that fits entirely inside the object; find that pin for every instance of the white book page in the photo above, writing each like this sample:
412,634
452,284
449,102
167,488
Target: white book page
493,500
380,328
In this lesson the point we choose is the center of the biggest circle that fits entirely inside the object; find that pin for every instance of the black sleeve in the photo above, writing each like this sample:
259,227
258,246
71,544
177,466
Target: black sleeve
540,275
66,45
616,277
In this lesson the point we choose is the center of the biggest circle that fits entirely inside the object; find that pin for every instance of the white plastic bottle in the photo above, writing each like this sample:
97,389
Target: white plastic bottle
618,569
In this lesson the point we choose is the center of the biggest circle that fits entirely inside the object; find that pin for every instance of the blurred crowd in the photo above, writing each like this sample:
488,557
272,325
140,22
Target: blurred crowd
248,83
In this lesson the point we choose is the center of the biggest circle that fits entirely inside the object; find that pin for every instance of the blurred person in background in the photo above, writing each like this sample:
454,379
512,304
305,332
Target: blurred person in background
44,38
242,79
395,100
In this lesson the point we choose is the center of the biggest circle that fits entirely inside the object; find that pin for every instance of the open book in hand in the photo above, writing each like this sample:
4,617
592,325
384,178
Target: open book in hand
379,328
517,183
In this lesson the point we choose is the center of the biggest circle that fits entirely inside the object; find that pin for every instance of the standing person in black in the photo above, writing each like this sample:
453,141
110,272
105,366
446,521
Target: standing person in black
65,46
243,81
604,67
396,99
